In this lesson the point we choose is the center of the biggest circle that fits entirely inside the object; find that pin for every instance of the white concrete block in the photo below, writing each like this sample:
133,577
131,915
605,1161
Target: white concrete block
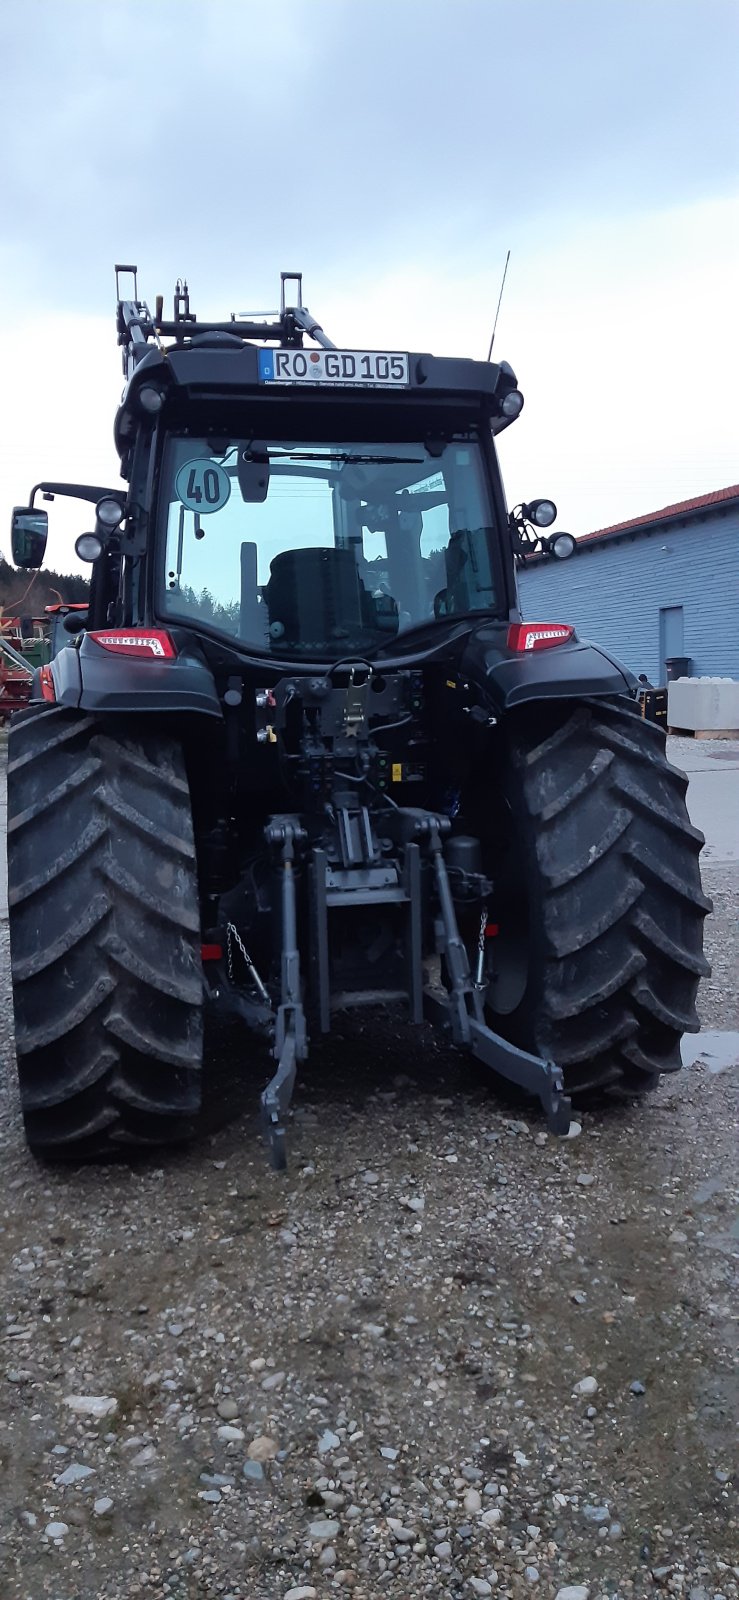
702,704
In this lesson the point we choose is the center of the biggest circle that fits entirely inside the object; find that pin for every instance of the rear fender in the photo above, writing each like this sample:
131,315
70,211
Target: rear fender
571,671
87,677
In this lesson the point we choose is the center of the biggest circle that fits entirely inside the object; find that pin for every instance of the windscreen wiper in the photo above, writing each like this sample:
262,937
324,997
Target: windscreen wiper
345,458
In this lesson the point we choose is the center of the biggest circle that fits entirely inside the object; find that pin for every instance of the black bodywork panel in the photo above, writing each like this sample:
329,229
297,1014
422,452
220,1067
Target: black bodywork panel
90,678
574,670
222,366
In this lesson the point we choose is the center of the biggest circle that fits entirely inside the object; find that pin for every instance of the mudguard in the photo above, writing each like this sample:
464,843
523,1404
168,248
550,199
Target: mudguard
86,677
571,671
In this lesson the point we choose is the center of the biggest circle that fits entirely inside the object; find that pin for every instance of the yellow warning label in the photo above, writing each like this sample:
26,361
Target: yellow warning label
397,772
450,683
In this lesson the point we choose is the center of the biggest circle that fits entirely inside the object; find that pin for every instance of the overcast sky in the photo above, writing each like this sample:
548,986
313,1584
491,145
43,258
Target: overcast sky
393,150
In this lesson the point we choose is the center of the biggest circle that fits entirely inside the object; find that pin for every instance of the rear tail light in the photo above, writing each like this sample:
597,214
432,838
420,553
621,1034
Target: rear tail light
538,635
46,684
151,644
211,952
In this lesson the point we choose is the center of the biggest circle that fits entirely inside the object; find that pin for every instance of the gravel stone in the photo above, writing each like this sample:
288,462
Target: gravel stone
586,1387
56,1530
92,1405
328,1441
323,1528
305,1591
573,1591
74,1473
263,1448
596,1514
228,1409
400,1534
230,1434
254,1471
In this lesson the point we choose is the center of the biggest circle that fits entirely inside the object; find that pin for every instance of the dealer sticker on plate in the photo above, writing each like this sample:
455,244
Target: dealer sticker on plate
380,369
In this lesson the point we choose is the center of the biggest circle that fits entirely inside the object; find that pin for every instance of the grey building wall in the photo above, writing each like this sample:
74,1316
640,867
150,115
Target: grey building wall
636,593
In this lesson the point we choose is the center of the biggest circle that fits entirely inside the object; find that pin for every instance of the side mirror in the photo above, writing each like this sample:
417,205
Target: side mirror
29,530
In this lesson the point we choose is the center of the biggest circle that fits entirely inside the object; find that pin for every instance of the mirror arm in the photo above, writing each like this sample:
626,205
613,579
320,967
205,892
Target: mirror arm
76,491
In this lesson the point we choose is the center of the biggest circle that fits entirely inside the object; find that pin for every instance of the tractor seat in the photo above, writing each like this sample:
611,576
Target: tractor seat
316,597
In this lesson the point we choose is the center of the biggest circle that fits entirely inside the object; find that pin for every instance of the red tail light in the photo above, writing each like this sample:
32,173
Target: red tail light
538,635
46,684
151,644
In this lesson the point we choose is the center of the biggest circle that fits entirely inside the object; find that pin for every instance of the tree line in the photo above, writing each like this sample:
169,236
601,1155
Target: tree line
27,593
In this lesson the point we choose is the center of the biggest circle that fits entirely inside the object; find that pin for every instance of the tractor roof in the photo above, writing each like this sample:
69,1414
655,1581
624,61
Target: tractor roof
239,359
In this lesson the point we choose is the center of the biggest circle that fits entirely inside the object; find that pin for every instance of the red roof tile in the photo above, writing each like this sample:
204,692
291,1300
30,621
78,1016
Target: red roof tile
681,508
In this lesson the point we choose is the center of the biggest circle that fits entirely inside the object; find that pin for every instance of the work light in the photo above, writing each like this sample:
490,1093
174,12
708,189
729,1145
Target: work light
88,547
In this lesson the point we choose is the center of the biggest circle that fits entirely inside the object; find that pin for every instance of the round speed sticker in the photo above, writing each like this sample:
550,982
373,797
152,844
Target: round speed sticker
202,485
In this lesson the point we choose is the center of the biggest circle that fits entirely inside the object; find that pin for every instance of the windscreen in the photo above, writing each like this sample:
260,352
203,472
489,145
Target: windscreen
316,549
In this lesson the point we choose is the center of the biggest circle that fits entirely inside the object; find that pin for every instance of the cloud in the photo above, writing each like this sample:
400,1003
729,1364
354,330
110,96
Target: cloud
394,151
365,133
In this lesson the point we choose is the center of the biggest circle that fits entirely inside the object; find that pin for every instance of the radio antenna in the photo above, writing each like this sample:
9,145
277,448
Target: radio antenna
500,297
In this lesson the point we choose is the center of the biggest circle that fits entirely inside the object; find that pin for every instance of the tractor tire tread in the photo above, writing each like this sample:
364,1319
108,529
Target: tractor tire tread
105,935
614,860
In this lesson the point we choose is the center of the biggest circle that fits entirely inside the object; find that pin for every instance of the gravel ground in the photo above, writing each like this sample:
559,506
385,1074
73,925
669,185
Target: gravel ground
447,1355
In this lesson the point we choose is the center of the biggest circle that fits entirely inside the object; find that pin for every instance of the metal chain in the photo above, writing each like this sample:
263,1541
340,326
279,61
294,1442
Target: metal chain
232,934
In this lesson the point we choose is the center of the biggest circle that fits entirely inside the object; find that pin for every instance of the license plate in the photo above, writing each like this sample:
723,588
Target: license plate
377,369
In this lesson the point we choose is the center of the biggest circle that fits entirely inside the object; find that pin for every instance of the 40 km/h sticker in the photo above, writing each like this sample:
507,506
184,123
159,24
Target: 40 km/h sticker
202,486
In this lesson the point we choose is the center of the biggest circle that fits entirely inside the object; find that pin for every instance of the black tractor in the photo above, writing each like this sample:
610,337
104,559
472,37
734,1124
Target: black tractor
303,755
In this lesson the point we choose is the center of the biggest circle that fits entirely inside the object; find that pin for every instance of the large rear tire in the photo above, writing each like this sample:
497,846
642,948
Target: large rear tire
599,901
104,934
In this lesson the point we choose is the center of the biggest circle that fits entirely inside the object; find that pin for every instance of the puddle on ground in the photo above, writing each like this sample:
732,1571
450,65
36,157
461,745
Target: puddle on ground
719,1051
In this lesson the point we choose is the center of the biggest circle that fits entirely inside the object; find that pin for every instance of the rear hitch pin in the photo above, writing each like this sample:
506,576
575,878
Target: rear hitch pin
480,982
